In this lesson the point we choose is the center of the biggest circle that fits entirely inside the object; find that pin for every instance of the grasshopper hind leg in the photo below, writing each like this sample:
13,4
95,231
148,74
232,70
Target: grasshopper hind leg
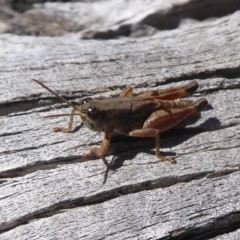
172,93
158,154
150,132
164,119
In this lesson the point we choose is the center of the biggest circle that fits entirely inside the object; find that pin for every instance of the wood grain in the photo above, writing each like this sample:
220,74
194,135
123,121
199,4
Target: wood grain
48,192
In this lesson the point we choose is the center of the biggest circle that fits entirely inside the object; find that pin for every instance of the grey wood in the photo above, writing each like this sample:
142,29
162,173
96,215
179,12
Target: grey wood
47,191
156,214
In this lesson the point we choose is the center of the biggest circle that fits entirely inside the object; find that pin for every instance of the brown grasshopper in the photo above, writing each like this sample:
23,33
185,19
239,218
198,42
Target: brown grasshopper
143,115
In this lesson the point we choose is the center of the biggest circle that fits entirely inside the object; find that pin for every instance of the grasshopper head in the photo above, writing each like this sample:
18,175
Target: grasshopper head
88,110
91,114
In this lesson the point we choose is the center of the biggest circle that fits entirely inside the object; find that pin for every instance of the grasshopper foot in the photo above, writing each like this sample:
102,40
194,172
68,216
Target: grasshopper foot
164,158
95,152
92,152
61,129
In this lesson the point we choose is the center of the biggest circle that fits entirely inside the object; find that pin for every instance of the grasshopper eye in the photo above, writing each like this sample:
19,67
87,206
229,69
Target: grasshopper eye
86,100
93,112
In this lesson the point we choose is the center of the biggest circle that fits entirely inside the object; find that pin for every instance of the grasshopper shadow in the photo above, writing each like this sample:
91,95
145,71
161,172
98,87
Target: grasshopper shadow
129,147
126,148
77,128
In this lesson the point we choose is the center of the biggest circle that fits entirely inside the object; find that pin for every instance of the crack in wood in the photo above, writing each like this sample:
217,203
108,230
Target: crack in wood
114,193
222,225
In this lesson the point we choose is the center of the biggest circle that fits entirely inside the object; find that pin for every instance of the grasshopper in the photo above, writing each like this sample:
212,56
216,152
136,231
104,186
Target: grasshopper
146,114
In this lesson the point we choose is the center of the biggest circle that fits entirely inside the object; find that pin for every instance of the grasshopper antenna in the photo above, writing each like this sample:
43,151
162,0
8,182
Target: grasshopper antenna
60,115
55,94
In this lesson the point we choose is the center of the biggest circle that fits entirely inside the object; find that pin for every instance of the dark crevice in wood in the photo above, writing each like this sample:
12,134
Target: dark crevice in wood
27,105
22,106
222,173
232,73
39,165
27,148
225,224
222,148
17,150
11,134
114,193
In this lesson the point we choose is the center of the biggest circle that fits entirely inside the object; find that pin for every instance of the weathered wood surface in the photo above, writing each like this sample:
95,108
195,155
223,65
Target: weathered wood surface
48,192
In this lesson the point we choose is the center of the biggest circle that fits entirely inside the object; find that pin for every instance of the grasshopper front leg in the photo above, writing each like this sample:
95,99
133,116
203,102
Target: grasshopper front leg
101,152
163,120
70,124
